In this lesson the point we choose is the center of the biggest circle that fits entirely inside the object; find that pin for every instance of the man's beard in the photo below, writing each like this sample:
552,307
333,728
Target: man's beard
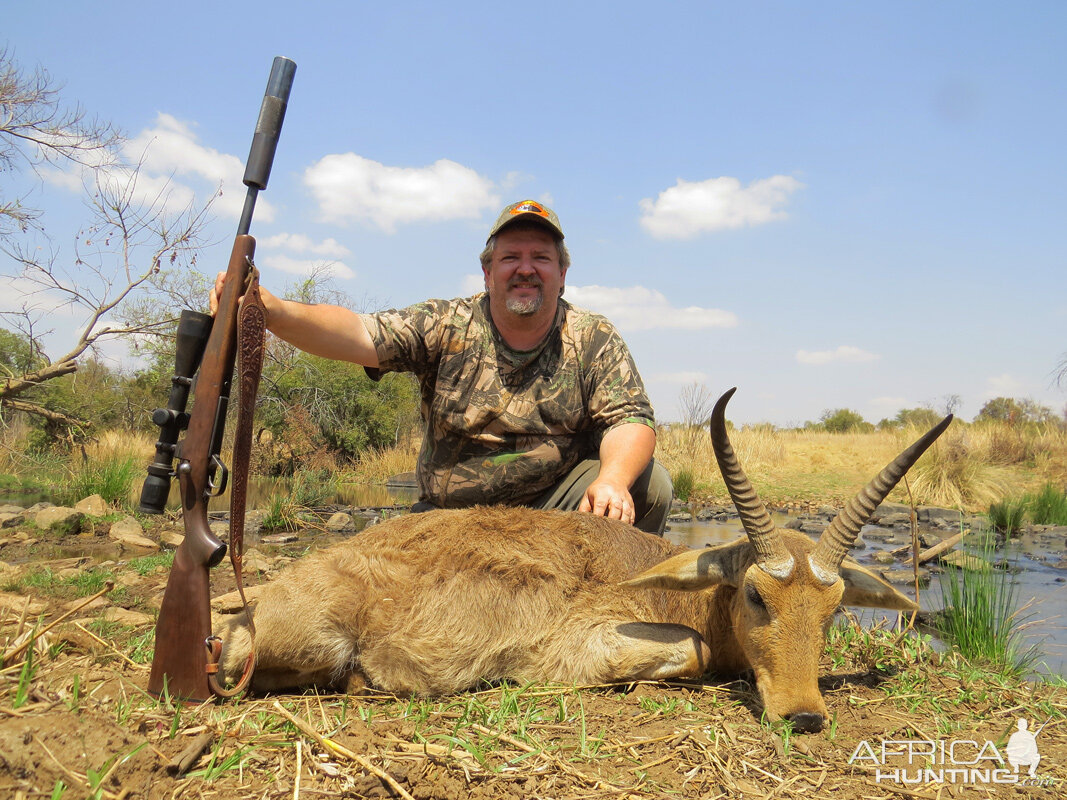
528,307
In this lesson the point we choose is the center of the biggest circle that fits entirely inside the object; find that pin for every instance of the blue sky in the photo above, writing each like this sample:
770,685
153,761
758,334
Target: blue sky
825,204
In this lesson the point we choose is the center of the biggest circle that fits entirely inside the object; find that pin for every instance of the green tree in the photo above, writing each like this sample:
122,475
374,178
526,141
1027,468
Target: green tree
844,420
1013,411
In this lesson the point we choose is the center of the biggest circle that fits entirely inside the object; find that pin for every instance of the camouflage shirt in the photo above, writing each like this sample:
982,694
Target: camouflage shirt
503,425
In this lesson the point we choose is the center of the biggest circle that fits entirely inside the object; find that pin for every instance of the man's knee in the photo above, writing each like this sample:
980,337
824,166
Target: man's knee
653,493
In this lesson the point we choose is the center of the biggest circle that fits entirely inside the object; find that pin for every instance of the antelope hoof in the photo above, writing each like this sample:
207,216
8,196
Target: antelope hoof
806,721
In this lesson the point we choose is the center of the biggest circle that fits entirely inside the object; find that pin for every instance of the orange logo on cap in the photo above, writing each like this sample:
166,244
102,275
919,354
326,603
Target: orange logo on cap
529,207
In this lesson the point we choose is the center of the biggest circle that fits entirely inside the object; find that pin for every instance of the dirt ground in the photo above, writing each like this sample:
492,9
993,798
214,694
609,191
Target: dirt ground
76,721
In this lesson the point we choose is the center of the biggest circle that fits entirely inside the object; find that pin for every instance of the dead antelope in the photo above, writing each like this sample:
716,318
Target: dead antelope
434,603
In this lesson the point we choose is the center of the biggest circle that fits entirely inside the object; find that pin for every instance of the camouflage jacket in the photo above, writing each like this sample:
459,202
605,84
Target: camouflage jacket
503,426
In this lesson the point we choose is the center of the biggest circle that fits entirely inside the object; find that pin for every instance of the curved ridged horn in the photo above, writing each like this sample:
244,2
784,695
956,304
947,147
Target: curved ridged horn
841,534
771,553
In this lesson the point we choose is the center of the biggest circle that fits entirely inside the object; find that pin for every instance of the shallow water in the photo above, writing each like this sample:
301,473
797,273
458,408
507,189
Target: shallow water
1040,588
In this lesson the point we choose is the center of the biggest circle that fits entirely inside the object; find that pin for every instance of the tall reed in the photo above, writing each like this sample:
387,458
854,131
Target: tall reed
981,616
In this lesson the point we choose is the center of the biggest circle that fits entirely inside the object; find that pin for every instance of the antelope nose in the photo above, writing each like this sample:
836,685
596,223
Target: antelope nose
806,721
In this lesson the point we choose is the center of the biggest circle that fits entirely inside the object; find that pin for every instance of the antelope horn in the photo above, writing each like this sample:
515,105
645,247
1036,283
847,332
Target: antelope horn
771,553
841,534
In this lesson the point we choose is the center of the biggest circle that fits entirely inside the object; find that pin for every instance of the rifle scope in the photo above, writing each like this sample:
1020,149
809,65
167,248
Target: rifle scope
193,331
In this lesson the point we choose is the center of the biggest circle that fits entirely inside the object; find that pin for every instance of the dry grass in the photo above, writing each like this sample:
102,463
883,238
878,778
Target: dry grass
969,467
116,445
377,466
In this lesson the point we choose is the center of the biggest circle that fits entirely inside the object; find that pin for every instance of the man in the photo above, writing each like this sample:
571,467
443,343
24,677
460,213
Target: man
526,399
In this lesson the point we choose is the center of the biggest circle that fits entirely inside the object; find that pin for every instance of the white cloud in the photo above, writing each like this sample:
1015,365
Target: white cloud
632,309
682,378
171,148
155,158
349,187
887,405
692,207
845,354
636,308
295,266
472,284
299,243
1005,385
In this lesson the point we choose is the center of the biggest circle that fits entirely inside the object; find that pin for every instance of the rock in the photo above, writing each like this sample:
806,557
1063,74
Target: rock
279,538
93,505
230,603
906,577
14,604
100,602
32,510
889,520
255,561
930,514
882,557
129,533
889,508
124,616
675,516
59,520
171,537
221,530
9,508
339,522
965,561
11,519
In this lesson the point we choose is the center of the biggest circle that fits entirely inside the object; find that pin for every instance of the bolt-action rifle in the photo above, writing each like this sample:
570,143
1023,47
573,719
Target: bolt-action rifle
183,651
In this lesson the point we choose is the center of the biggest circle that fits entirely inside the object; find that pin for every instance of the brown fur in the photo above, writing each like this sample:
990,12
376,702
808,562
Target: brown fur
434,603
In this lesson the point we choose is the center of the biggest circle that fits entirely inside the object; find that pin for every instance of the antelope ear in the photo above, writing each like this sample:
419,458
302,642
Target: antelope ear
697,569
868,590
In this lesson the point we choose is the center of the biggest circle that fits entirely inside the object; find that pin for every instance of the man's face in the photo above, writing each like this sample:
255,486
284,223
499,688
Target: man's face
524,271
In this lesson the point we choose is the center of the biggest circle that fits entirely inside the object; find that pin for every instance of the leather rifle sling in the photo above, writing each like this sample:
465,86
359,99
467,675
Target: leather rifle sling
251,326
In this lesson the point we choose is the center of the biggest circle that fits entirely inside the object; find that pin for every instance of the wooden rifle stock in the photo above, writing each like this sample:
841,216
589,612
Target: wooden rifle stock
179,666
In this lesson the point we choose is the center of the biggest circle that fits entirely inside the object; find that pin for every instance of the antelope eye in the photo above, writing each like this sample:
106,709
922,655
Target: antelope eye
753,596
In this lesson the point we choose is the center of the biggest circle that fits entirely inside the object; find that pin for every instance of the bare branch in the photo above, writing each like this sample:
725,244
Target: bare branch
36,128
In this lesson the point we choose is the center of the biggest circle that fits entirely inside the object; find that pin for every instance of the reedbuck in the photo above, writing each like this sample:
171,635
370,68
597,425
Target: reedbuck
434,603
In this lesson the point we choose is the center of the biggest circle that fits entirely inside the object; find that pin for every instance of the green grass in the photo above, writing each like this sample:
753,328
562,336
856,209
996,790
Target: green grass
981,617
44,581
149,564
111,478
1006,516
1047,506
684,482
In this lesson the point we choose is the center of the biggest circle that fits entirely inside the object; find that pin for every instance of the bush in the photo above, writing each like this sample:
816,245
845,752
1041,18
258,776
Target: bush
844,420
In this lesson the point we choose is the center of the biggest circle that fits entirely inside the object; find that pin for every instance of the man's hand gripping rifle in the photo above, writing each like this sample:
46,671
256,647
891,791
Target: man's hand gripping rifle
185,655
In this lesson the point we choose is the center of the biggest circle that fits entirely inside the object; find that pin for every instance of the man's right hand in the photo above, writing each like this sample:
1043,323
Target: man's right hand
320,329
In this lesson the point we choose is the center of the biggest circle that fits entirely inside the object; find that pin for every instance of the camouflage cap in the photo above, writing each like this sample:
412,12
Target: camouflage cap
527,209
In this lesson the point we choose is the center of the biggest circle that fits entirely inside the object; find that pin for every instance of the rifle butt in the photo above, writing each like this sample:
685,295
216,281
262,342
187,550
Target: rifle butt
179,664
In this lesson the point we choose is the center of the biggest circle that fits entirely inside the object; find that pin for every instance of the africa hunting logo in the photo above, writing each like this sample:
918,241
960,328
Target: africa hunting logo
957,761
